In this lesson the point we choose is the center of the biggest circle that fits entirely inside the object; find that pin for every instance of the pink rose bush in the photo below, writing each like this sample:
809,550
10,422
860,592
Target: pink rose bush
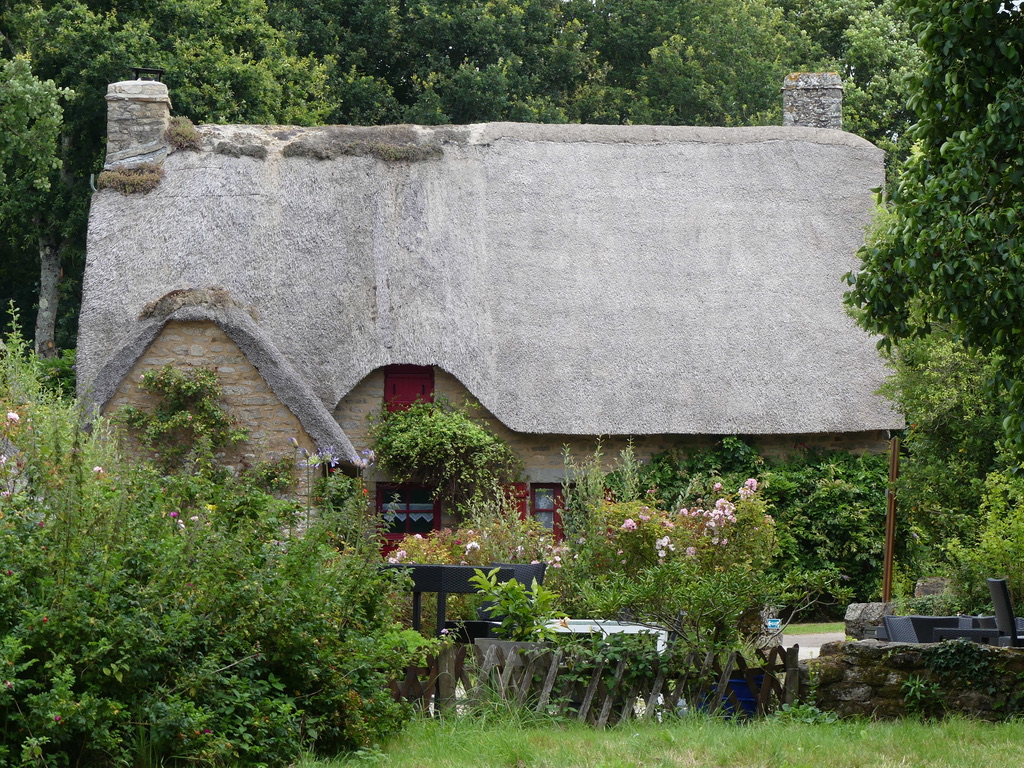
699,569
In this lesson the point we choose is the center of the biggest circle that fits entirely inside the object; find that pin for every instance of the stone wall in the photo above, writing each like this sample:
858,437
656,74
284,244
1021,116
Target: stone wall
138,113
247,397
867,678
813,100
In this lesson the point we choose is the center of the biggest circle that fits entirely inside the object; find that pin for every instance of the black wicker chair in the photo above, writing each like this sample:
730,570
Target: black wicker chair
1006,621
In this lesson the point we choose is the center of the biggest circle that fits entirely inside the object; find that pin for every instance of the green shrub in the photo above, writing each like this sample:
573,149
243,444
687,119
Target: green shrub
153,619
701,570
998,551
829,508
524,610
952,442
445,448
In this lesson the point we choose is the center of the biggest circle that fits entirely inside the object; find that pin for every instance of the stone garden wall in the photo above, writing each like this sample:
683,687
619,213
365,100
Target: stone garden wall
888,680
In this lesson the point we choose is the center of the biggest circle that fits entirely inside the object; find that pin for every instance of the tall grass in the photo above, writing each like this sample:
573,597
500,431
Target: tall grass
697,741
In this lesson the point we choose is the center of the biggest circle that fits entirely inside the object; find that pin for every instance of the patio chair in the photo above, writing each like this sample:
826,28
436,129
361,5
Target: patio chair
977,629
899,629
1006,621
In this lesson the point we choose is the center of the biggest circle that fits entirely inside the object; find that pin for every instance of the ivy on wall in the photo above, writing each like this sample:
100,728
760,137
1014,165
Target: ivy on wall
442,446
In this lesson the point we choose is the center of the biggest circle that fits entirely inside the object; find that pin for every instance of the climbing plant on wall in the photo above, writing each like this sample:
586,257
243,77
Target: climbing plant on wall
444,447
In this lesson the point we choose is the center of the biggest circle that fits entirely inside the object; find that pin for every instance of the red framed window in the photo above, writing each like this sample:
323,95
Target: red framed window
407,509
546,506
407,384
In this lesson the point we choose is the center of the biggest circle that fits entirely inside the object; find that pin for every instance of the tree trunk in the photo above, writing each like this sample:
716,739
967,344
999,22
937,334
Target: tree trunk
49,280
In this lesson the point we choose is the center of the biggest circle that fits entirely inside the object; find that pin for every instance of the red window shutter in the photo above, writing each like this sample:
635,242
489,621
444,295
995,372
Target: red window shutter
407,384
519,495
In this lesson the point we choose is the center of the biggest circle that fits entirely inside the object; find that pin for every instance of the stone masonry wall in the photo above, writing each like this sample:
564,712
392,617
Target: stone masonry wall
867,678
542,454
138,113
247,397
813,100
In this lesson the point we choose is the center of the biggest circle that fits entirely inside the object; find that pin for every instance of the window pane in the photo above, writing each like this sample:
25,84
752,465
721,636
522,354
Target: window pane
420,496
394,522
421,522
544,498
547,519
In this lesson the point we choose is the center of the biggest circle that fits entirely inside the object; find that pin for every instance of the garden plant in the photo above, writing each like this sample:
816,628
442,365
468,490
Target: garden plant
167,618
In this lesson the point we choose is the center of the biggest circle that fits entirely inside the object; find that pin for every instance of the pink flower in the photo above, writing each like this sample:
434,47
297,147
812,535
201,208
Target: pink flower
718,486
629,524
12,417
691,551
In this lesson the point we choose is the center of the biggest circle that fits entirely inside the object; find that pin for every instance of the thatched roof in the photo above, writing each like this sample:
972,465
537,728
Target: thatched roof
578,279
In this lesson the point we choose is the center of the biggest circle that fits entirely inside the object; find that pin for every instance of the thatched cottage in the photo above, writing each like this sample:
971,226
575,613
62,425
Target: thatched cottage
665,284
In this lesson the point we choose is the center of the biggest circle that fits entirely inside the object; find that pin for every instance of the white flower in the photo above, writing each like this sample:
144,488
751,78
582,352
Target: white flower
12,417
472,547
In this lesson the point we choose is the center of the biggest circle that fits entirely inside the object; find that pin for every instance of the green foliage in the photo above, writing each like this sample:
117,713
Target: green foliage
829,508
963,666
953,436
950,255
58,373
998,551
30,122
699,570
524,611
343,500
445,448
187,423
134,180
152,619
922,696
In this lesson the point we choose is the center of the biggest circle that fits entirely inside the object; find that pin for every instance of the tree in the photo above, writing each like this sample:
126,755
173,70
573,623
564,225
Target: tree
870,43
31,118
949,253
717,62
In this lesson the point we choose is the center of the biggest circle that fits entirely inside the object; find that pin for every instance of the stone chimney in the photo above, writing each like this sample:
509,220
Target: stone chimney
813,100
138,113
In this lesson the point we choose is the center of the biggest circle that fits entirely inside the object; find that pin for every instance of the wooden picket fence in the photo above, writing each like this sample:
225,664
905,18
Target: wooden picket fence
545,680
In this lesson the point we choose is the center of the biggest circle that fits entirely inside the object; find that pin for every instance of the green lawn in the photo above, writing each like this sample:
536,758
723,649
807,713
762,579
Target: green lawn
697,741
811,629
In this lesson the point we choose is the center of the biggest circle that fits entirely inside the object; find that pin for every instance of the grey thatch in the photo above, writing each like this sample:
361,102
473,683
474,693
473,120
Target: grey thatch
578,279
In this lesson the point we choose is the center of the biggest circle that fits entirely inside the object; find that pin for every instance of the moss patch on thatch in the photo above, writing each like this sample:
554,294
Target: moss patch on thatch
215,297
130,180
391,143
232,149
182,134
